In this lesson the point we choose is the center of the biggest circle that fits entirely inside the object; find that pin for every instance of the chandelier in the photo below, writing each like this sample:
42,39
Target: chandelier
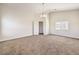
43,9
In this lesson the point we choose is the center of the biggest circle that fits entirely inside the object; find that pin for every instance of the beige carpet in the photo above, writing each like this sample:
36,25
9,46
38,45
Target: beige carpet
40,45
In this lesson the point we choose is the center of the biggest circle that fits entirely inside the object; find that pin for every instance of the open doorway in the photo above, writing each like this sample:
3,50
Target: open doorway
41,28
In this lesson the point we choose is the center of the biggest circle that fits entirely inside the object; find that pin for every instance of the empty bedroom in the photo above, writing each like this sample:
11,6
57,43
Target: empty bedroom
39,28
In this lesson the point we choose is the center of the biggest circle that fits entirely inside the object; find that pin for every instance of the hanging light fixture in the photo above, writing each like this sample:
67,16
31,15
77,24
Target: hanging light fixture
43,8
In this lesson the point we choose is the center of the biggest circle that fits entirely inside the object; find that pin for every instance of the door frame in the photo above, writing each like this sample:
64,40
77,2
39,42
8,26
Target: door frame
42,31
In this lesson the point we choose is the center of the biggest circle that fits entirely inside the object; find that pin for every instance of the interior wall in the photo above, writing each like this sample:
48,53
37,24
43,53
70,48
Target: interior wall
16,22
36,25
45,21
0,22
72,17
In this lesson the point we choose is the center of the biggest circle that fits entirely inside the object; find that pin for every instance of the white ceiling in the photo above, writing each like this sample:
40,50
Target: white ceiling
48,7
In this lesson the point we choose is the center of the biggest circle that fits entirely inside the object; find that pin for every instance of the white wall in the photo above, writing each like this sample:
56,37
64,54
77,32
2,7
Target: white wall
0,22
45,21
16,22
72,17
47,25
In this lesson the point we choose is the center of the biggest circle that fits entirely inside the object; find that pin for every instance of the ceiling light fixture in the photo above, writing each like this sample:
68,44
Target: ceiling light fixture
43,9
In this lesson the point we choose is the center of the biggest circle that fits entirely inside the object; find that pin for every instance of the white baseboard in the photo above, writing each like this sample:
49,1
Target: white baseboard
66,36
12,38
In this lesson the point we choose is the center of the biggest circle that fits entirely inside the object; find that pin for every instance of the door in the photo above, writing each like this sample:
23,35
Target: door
41,28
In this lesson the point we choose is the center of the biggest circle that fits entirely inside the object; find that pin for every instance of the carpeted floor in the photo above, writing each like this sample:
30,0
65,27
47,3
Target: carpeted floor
40,45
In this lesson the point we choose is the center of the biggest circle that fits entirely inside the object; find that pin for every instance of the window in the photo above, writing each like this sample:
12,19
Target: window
62,25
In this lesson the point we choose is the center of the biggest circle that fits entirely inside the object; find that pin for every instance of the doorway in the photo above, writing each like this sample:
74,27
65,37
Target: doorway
41,28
